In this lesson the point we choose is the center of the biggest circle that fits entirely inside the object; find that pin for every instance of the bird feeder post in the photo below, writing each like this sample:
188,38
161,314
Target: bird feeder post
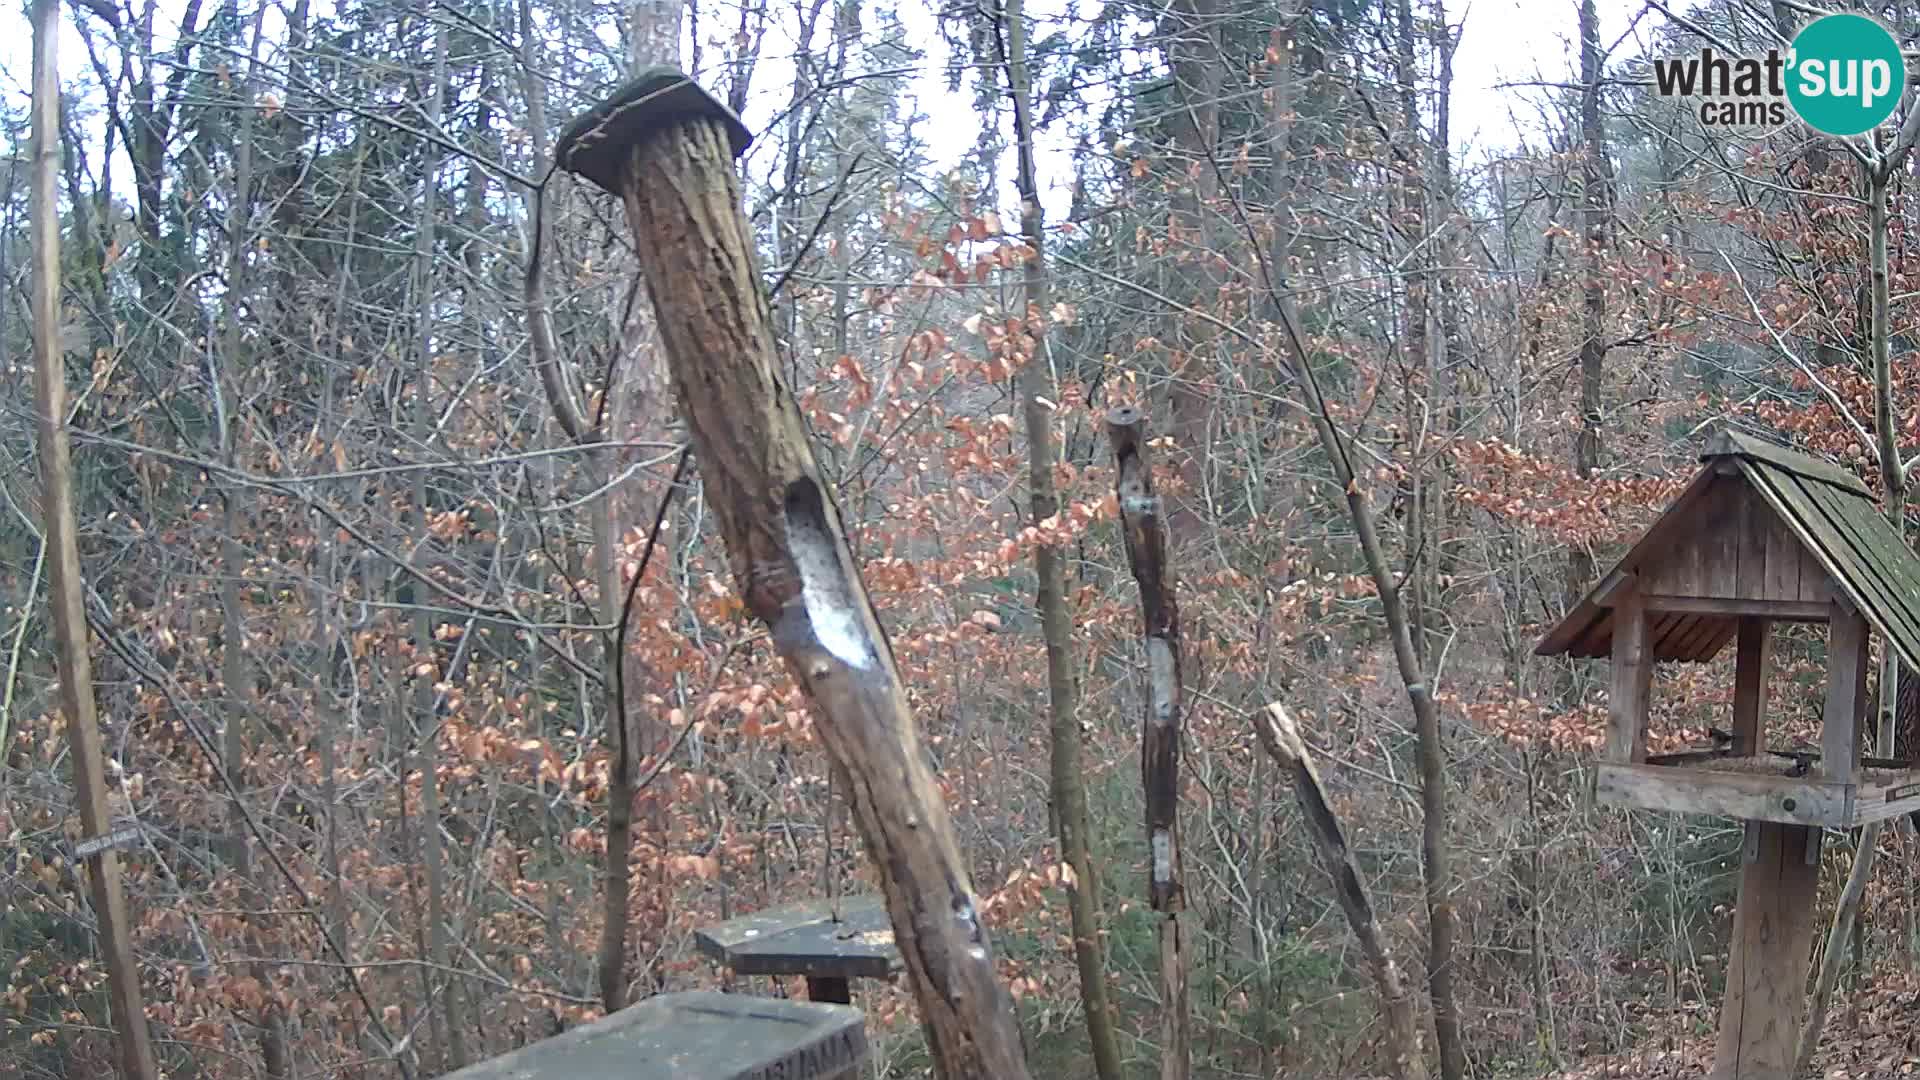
667,149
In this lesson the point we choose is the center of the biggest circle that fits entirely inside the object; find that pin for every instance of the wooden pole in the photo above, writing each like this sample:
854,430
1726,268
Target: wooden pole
1767,960
64,582
1281,737
1145,533
667,149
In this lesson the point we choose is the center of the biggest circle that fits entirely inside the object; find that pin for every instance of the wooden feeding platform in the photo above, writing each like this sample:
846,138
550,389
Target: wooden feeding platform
1762,535
828,942
698,1035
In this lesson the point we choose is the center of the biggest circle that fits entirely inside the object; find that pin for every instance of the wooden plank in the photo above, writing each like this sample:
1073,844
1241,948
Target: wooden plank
1725,634
1750,686
1718,540
1767,961
1876,580
1886,553
1752,521
1749,796
1666,530
1882,572
1616,582
1793,461
806,939
1665,634
1784,551
1632,678
1846,694
1705,630
1891,799
1804,514
696,1034
1778,610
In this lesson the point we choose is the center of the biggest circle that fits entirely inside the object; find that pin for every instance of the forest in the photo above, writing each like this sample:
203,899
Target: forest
1212,434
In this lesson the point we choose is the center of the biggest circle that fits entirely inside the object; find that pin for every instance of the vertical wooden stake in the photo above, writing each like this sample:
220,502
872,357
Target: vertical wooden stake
1632,676
64,584
1846,698
1146,538
1755,653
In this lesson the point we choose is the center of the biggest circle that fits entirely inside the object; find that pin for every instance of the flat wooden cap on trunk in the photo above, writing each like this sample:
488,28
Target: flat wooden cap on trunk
598,143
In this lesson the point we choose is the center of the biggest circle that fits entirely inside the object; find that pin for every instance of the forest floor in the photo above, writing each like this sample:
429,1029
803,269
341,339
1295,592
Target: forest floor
1871,1035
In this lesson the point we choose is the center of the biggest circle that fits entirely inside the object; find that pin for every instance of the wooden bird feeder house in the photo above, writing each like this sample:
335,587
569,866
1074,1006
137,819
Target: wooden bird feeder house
1762,535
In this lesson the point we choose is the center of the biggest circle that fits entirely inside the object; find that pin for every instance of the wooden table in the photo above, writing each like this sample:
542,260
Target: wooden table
806,939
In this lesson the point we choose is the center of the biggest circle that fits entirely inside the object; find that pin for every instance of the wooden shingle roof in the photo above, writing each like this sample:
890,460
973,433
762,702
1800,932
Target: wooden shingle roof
1827,510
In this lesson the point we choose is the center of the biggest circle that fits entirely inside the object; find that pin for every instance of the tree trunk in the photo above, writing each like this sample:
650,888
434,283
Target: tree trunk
64,585
1056,623
1282,740
448,1024
1145,535
667,149
1594,203
1893,483
1435,854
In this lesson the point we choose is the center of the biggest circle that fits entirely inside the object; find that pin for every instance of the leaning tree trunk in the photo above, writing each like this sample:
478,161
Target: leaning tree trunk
667,149
1056,623
1144,529
1282,740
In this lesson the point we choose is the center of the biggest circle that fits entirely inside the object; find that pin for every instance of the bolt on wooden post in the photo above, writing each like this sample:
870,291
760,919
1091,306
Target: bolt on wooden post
666,148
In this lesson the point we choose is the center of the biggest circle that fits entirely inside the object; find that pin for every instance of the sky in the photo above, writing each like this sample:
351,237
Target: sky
1503,43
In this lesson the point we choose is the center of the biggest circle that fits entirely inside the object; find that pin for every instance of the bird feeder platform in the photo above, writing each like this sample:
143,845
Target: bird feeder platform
828,942
698,1035
1762,535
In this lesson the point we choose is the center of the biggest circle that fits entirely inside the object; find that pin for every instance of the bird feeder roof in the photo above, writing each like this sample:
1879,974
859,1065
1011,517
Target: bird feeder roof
1820,516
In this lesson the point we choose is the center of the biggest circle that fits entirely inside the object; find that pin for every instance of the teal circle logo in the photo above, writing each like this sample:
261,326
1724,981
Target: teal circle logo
1846,74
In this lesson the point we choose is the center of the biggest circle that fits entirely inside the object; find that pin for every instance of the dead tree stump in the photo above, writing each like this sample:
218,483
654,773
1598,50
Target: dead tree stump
666,148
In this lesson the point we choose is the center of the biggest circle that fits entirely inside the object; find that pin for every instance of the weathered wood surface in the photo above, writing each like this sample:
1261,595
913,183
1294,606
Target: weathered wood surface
1767,964
805,939
1750,668
1790,800
788,550
699,1035
1880,800
1144,531
1729,545
1632,680
1779,610
1729,443
1846,701
1281,738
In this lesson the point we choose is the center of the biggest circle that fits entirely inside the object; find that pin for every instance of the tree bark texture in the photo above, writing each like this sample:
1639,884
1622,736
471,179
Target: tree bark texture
1144,530
794,569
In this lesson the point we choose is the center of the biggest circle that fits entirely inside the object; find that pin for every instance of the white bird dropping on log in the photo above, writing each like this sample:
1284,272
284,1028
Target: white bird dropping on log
836,624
